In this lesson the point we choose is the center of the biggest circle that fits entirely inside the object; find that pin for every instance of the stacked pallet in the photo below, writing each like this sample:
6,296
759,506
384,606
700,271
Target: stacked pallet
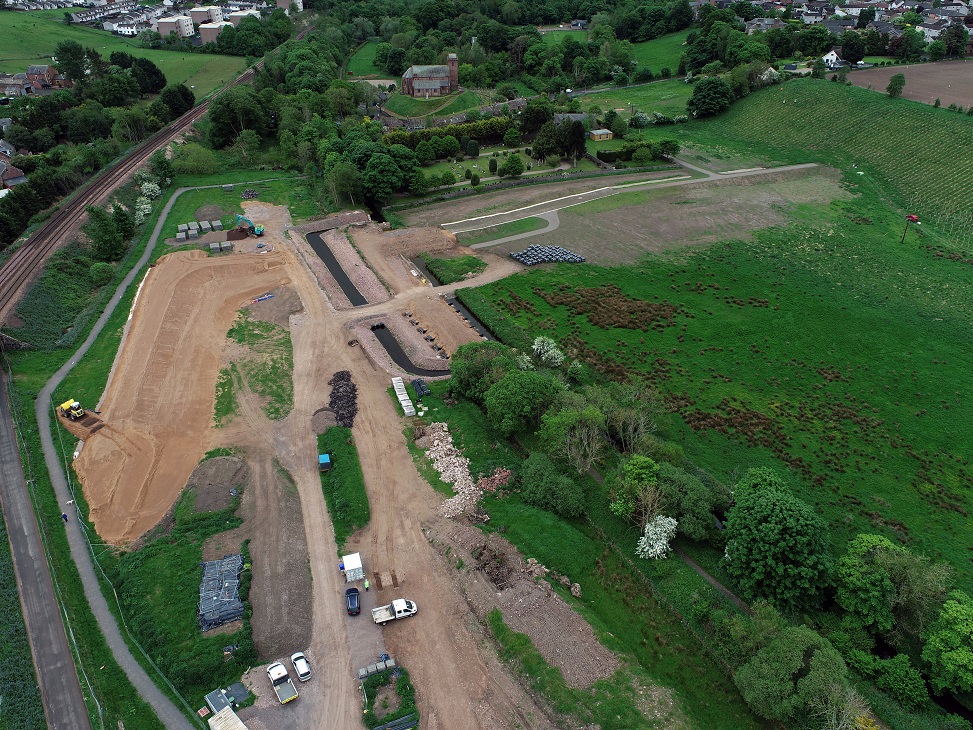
404,400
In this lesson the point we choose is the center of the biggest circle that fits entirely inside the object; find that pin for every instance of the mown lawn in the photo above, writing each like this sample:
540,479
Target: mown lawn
362,64
30,38
667,97
661,52
823,348
554,37
408,106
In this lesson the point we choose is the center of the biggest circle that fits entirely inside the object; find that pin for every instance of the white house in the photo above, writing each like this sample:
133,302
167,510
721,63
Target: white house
832,60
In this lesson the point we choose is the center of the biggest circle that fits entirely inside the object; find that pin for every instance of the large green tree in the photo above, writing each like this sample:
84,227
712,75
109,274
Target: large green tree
477,366
896,85
777,547
710,97
516,402
789,676
949,645
382,177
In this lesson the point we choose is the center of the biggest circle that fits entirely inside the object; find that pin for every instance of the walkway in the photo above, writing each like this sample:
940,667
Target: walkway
552,206
57,676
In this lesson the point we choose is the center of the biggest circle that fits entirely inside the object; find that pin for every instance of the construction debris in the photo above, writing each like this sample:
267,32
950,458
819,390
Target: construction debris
344,398
249,194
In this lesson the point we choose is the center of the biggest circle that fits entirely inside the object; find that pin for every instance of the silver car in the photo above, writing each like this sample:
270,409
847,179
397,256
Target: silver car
301,666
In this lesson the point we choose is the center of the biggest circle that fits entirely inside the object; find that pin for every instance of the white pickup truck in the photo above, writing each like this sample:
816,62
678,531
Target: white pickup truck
283,686
399,608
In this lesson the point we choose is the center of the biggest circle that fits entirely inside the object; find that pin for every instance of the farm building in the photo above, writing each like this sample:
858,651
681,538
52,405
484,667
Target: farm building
426,81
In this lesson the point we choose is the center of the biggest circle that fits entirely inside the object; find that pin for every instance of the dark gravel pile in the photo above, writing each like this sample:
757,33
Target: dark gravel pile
344,398
249,194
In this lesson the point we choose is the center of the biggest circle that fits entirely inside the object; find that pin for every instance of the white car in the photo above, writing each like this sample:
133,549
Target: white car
301,666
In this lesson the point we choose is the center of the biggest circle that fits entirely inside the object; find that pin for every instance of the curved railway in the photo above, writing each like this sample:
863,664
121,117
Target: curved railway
66,220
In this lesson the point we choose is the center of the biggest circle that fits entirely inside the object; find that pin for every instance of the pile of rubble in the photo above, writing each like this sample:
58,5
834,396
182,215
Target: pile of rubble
453,468
537,570
249,194
344,398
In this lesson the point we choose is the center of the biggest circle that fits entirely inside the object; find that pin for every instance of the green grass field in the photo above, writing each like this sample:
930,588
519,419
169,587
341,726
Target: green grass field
524,225
558,36
667,97
408,106
267,369
662,52
31,37
344,485
362,64
823,348
449,271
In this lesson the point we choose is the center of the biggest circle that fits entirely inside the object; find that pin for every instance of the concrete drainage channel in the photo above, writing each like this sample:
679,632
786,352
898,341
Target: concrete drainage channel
327,256
387,340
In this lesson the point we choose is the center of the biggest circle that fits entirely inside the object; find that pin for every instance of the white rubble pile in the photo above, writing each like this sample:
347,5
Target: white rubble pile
453,468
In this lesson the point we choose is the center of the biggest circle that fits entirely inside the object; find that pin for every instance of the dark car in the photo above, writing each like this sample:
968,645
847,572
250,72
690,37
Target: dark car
352,602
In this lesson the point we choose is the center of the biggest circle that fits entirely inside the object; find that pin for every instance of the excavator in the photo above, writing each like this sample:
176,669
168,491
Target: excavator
71,409
245,224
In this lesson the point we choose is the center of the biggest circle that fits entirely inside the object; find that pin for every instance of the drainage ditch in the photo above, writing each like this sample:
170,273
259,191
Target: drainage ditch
395,351
327,256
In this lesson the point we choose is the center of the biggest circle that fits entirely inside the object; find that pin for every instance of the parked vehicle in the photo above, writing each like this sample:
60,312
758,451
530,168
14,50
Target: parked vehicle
399,608
283,686
353,601
301,666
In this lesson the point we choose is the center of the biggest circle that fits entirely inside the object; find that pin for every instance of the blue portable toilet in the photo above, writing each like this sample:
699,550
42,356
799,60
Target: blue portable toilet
324,462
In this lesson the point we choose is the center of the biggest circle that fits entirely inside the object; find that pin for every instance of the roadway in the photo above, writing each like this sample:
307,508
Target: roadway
57,678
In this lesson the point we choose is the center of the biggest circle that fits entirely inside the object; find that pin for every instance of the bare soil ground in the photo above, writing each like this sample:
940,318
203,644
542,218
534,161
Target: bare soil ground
385,251
949,81
213,479
519,197
613,230
159,410
159,405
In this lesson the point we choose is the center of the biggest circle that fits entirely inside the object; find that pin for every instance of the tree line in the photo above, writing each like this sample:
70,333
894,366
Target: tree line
72,133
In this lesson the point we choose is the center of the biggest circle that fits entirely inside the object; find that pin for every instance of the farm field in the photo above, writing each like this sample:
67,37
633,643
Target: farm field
658,219
362,64
821,347
667,97
949,81
661,52
32,37
931,175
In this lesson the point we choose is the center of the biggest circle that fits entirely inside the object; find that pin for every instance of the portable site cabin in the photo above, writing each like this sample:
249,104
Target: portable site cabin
353,567
324,462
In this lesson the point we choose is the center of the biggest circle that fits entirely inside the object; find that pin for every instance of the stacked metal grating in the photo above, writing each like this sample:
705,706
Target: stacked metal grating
535,254
219,592
404,400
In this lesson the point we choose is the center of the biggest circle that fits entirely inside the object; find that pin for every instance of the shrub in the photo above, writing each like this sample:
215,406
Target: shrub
542,486
900,679
666,72
100,273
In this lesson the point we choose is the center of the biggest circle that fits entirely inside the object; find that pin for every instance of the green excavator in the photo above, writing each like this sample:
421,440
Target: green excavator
245,224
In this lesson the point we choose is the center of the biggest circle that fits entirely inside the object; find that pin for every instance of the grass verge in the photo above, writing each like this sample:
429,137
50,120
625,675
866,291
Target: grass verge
449,271
524,225
403,689
344,484
268,367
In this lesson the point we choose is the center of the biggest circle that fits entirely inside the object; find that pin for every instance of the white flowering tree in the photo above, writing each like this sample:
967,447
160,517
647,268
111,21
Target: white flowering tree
547,351
143,209
151,190
144,175
524,362
658,533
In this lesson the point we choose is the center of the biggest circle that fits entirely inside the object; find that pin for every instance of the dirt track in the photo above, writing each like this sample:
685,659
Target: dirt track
158,414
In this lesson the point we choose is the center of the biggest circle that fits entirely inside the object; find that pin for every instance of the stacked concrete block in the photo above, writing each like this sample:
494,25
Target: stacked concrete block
193,234
182,228
205,227
214,247
193,226
226,246
217,225
181,236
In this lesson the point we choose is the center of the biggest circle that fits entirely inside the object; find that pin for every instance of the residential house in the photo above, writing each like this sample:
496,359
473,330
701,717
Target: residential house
840,25
427,81
579,25
285,5
763,25
7,150
237,16
10,175
600,134
932,30
206,14
832,60
5,124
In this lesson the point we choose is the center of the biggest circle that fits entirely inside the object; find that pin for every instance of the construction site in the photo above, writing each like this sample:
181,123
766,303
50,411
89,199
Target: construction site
362,308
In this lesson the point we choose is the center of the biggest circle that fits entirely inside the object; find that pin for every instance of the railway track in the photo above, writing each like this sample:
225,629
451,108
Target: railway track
64,223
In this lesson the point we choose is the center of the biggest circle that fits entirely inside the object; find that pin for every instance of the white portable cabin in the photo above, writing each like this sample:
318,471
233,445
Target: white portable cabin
353,567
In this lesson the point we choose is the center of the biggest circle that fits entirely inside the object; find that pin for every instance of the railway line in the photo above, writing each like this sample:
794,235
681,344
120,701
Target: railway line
64,223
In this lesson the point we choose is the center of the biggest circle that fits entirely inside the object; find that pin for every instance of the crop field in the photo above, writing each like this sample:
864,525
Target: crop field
362,64
930,174
666,97
31,38
661,52
822,347
951,82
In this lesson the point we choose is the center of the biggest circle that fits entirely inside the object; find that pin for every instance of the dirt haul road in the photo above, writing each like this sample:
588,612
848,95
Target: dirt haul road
158,412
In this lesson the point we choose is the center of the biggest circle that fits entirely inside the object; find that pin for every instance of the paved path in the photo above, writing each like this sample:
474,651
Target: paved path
553,222
168,712
57,676
539,210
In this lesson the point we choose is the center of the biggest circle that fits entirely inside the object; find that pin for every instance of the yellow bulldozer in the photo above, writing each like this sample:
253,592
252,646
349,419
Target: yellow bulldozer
71,409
